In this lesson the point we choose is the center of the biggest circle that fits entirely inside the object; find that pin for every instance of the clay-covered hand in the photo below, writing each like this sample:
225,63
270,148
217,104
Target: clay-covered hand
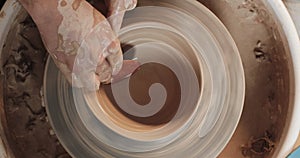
116,11
81,40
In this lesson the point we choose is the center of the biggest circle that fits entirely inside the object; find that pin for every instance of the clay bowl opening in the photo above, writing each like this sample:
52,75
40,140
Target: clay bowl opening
156,98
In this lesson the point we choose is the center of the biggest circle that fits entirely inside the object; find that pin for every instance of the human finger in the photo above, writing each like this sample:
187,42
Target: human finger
116,11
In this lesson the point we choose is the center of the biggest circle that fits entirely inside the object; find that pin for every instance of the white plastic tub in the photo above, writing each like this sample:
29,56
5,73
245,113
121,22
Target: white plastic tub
292,128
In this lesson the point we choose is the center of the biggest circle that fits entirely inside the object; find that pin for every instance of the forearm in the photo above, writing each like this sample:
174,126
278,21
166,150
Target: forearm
46,17
79,38
64,24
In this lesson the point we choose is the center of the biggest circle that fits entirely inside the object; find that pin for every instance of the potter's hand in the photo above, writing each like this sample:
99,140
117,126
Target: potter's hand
116,11
80,40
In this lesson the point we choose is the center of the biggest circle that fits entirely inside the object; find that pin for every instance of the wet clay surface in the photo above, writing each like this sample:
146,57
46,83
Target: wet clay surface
29,132
139,84
267,77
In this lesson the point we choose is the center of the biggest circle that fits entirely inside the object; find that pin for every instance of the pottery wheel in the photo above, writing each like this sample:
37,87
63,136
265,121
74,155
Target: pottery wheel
186,98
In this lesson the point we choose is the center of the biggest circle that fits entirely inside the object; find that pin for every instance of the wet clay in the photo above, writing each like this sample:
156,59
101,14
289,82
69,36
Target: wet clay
265,66
2,14
267,77
139,84
29,132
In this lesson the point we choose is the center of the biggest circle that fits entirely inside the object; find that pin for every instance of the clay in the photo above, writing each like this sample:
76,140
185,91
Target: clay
29,132
75,4
139,84
259,147
117,10
63,3
266,93
28,126
168,47
80,39
267,75
2,14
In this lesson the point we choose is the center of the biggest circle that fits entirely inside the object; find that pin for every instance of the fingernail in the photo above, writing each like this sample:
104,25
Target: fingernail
113,48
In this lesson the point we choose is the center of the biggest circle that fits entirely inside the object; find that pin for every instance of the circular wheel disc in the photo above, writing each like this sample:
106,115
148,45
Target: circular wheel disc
186,99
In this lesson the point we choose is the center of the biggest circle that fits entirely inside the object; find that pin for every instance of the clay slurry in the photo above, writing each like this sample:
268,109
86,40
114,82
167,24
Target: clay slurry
139,84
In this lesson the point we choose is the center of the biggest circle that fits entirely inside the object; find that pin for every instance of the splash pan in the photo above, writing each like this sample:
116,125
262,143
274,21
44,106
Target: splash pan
186,98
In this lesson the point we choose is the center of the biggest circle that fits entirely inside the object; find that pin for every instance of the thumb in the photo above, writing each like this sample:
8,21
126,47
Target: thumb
116,11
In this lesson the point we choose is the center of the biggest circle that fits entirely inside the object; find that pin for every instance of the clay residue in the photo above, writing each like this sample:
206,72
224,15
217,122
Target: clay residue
76,4
63,3
260,52
266,69
29,132
97,18
259,13
2,14
261,146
